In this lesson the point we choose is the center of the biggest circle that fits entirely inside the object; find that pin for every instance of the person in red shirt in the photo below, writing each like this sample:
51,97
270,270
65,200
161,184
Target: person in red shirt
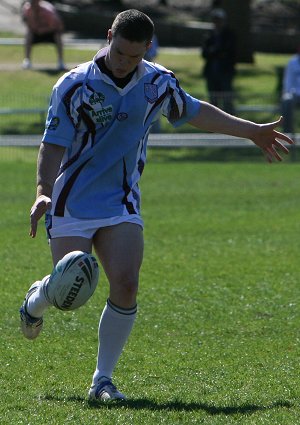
43,26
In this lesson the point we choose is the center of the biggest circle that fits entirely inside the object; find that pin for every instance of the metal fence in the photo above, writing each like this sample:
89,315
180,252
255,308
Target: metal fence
189,140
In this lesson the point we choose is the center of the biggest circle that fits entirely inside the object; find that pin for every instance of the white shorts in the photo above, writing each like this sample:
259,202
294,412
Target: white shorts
58,227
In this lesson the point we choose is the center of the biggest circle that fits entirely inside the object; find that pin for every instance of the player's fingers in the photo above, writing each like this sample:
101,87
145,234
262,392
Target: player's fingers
34,217
284,137
281,146
40,207
273,152
33,230
268,156
33,222
37,211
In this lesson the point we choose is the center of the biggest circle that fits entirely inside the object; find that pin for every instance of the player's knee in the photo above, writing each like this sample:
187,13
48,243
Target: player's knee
127,286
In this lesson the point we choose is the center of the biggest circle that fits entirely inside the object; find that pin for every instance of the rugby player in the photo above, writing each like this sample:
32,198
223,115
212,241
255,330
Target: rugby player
90,161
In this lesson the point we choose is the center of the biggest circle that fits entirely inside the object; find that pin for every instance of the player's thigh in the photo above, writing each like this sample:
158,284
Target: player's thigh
63,245
120,250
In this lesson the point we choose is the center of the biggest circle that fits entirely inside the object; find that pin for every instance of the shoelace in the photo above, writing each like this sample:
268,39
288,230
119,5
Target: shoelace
104,384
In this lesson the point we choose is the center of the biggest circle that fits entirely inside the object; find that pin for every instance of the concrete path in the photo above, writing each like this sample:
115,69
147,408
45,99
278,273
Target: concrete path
10,19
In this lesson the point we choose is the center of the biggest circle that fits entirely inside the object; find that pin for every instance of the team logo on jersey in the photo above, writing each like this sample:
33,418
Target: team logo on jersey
122,116
96,98
151,92
53,124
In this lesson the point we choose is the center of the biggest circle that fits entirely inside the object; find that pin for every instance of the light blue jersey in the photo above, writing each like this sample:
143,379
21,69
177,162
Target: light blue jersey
105,130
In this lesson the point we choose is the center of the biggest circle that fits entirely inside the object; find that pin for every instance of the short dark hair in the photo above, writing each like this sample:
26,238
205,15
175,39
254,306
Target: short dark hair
133,25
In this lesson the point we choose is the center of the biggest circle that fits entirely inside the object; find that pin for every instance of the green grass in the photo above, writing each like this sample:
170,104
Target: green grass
31,88
254,83
217,335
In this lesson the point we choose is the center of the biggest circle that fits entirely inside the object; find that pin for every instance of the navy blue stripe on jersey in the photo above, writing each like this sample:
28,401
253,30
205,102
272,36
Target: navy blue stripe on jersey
156,76
62,199
127,189
74,158
141,165
85,118
155,105
136,197
67,100
48,223
173,76
174,114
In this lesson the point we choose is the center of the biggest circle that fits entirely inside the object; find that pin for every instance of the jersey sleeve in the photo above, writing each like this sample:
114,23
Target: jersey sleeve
59,128
179,107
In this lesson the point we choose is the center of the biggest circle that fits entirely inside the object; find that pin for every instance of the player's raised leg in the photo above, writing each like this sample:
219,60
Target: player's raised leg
63,245
120,250
36,300
32,320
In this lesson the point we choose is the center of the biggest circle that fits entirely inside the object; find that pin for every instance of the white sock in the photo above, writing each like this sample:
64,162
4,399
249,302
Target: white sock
37,302
114,329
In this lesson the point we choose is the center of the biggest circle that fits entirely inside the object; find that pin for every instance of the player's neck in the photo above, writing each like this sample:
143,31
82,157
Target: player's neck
120,82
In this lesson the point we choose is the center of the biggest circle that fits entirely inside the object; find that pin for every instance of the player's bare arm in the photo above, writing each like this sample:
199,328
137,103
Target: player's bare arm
49,160
213,119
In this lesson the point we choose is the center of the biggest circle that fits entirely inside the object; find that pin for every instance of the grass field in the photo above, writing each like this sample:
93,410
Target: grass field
217,337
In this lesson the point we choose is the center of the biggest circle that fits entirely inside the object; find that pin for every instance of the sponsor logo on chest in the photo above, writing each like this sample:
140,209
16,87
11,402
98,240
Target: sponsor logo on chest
99,112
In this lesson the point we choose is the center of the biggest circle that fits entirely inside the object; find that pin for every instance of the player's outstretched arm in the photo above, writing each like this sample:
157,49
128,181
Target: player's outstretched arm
49,160
265,136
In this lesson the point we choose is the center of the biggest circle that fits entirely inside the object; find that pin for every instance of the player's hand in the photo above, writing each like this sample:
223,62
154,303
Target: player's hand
269,140
38,209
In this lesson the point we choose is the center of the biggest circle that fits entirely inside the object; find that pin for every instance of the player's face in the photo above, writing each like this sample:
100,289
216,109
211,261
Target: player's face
123,55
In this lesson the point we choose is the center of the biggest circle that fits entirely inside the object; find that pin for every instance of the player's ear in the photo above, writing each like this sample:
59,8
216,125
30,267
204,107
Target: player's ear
109,36
148,45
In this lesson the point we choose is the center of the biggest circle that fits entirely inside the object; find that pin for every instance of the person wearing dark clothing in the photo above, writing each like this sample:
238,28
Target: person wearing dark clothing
219,52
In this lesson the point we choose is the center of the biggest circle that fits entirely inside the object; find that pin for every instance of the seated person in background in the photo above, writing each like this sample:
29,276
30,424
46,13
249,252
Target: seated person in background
43,26
291,91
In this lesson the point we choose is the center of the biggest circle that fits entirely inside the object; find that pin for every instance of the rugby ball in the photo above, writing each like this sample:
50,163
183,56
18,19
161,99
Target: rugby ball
73,280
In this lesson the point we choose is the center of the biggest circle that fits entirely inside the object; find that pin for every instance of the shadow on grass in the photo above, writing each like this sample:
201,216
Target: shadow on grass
50,71
180,406
176,405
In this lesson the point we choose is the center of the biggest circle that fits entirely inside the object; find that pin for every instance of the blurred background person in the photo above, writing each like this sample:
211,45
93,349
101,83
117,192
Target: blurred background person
291,91
43,25
150,56
152,52
219,53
